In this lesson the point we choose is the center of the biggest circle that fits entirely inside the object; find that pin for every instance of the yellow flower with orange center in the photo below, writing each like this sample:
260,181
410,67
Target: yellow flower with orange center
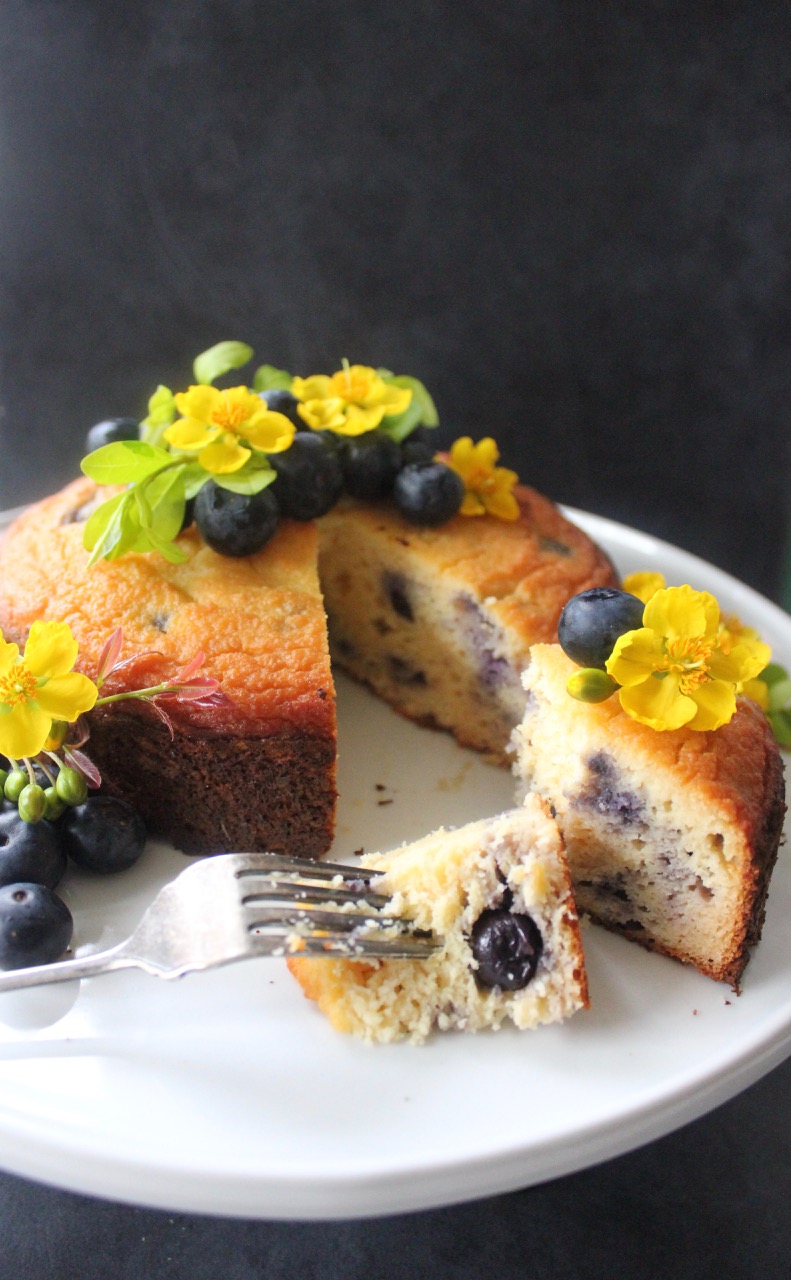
224,427
681,667
350,402
40,687
488,488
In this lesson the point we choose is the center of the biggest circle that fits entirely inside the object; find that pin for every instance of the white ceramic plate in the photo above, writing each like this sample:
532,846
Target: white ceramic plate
228,1093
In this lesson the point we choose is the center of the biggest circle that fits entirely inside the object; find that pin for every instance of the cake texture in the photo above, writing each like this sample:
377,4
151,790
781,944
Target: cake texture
257,771
671,836
497,892
439,621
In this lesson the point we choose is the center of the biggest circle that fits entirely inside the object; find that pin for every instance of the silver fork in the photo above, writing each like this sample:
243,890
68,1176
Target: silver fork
234,906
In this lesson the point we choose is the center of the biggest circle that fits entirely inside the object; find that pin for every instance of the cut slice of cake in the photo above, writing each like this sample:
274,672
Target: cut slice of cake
498,892
257,772
439,621
671,836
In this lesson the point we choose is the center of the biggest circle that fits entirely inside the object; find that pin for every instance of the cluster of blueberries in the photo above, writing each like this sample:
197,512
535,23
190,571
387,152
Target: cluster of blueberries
102,835
312,475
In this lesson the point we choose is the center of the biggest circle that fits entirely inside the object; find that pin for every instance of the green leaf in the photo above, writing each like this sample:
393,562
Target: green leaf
125,462
428,410
247,481
268,378
113,528
399,426
779,694
781,727
161,412
219,359
167,500
772,673
195,477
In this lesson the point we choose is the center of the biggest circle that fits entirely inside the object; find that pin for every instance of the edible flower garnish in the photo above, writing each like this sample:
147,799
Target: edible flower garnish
488,488
39,687
680,668
350,402
44,712
226,436
223,427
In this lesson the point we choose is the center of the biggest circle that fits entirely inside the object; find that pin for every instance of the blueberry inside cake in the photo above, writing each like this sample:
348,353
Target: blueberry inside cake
498,892
671,837
439,621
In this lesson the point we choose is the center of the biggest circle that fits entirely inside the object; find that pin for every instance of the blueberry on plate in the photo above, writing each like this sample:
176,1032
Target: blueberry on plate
309,477
428,493
105,834
29,851
35,925
110,431
591,622
235,524
508,947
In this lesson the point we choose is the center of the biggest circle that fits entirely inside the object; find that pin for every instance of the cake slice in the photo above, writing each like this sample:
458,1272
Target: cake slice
439,621
497,891
671,836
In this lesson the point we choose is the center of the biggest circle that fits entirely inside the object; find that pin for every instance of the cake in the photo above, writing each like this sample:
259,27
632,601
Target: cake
439,621
257,771
671,836
497,892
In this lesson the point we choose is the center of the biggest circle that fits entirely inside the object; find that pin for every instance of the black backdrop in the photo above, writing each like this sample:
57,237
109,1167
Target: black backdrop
569,219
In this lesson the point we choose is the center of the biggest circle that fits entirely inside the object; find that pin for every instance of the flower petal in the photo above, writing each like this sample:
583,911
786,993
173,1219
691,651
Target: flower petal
357,420
51,649
644,584
659,703
8,655
716,703
197,402
316,387
502,503
678,612
66,697
224,455
322,415
23,730
269,431
191,434
635,657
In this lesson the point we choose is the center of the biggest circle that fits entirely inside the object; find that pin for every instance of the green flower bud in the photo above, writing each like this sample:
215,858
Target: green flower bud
31,803
591,685
53,805
71,786
15,783
3,780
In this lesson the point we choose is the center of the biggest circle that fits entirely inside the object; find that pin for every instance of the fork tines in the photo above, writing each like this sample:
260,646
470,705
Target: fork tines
325,908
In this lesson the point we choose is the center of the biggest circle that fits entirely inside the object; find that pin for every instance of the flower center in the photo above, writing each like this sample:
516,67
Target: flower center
229,415
688,657
18,686
352,387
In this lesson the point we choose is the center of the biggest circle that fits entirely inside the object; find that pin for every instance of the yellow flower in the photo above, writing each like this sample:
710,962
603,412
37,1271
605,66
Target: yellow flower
681,667
220,425
644,584
352,401
39,688
488,488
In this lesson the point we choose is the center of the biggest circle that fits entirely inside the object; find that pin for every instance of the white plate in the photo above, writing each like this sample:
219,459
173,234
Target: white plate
228,1093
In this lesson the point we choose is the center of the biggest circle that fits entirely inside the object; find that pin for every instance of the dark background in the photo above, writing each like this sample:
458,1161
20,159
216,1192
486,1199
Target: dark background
571,220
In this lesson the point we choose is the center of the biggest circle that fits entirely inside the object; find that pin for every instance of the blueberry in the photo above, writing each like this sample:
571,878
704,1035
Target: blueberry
309,477
283,402
418,446
110,431
104,835
235,524
35,925
370,464
29,851
428,493
508,947
592,621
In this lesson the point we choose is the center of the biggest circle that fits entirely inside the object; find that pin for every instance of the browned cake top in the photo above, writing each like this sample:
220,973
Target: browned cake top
259,619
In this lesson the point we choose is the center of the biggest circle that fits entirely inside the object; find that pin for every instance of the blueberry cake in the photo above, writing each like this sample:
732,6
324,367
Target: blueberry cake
497,891
671,837
439,621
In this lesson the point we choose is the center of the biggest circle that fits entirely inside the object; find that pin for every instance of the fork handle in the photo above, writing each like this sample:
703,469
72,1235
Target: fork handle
39,975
